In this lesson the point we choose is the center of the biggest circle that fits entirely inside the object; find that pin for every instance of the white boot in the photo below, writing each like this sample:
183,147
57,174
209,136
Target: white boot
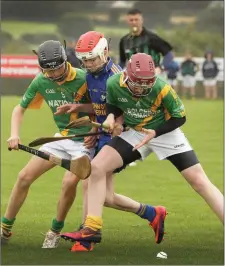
51,240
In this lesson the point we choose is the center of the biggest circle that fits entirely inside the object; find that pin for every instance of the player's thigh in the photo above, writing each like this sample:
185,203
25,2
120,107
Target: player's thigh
77,149
184,160
35,168
56,148
170,144
125,144
106,160
188,165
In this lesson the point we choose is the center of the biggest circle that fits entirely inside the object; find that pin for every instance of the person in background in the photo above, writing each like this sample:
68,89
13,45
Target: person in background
70,52
189,69
141,40
172,71
210,71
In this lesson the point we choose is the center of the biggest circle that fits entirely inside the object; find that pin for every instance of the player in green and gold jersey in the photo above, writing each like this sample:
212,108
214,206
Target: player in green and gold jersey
57,83
154,112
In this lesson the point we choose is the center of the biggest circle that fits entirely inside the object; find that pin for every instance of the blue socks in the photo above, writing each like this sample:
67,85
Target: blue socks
146,212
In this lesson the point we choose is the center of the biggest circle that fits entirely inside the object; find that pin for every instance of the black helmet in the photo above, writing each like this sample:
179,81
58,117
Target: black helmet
51,55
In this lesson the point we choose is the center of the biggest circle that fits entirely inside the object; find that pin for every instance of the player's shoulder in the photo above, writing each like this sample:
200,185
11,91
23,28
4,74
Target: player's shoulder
161,82
79,72
115,69
125,37
39,78
80,75
114,78
151,34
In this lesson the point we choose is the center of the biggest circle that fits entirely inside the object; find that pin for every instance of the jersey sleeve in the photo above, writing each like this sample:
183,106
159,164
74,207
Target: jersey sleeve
110,97
82,95
32,98
122,59
172,103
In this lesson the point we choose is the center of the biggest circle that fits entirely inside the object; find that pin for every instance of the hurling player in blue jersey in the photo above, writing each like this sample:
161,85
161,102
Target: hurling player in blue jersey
92,50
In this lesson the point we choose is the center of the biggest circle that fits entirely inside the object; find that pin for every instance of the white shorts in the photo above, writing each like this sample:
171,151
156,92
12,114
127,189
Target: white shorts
172,82
189,81
209,82
67,149
163,146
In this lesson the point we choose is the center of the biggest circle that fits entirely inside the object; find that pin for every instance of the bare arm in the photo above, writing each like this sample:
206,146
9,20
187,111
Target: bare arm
87,107
74,108
16,121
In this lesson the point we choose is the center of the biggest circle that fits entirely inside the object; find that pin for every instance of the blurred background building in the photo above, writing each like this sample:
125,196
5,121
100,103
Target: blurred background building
196,26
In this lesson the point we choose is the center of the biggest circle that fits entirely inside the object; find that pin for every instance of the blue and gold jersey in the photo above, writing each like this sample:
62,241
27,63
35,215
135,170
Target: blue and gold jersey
97,89
97,92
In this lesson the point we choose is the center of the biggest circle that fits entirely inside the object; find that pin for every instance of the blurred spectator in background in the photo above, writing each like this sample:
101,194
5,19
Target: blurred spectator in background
70,52
172,71
189,69
141,40
210,71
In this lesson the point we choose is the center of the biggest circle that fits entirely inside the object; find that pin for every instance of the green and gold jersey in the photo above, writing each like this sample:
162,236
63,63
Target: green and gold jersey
148,112
73,90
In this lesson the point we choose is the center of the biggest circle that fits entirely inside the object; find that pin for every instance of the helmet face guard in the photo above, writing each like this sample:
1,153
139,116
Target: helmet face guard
140,75
95,68
59,78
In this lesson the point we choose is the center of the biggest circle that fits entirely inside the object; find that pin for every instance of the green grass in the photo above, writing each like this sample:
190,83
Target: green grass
194,234
18,28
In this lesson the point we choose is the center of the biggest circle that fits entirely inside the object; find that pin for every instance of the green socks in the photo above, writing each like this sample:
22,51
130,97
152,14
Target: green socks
7,225
57,226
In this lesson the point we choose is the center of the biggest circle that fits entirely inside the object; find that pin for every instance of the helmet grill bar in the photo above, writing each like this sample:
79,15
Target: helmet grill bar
43,56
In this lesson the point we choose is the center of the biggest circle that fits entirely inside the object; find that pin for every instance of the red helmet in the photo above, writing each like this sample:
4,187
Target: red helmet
91,44
140,74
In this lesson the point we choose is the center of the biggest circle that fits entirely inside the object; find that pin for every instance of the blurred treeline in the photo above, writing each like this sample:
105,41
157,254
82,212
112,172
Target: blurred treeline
192,25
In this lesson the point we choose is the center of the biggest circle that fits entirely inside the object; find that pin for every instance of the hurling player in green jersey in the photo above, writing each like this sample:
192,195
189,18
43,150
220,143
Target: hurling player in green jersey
155,114
57,83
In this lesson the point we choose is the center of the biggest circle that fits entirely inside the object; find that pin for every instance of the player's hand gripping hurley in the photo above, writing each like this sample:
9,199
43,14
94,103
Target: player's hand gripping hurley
85,121
116,129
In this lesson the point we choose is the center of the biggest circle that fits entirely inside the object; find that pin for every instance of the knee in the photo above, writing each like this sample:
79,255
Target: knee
199,181
25,179
70,182
97,170
200,184
109,200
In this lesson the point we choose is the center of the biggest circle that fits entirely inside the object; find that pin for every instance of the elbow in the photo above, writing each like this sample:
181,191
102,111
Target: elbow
19,109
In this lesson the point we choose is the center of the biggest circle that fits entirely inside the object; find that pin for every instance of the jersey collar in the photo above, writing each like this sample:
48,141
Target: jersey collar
108,65
122,83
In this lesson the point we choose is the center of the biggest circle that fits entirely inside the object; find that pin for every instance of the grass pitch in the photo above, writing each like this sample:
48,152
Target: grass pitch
194,234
